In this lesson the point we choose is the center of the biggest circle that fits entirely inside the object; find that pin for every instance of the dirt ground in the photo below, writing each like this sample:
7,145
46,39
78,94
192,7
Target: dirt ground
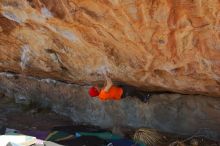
30,117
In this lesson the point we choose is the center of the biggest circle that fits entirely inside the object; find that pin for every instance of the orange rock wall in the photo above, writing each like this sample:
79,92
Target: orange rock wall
159,45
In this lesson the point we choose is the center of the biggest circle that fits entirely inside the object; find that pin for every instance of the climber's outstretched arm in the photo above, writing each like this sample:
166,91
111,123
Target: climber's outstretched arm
108,83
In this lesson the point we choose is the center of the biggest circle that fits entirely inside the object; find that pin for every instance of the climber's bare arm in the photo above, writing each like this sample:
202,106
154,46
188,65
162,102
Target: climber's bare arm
108,83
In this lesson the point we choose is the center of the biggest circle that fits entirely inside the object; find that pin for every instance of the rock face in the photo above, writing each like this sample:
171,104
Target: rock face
182,114
157,45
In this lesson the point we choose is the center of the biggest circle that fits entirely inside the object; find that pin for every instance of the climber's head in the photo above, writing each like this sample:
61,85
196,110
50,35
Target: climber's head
94,91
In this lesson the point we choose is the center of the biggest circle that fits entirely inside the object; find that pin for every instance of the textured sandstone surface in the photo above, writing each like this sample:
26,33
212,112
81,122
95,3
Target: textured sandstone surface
181,114
160,45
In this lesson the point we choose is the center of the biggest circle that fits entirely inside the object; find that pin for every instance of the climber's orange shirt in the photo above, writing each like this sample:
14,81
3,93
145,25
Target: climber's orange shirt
113,93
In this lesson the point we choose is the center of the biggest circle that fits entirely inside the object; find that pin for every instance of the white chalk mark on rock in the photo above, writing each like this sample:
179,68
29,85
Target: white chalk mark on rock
11,16
54,57
21,99
68,35
49,80
24,56
6,74
14,17
103,70
46,13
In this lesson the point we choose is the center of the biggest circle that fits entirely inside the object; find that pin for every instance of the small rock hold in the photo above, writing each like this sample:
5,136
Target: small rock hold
1,29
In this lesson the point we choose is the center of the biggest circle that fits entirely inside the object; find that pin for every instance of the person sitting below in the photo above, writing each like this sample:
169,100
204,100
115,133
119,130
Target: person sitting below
113,92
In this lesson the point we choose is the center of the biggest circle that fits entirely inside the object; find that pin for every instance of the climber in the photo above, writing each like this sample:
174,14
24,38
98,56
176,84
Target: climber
109,91
113,92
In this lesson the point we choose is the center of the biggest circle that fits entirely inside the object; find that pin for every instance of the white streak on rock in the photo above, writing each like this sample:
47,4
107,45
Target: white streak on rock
21,99
24,56
6,74
12,15
49,80
103,70
54,57
36,17
68,35
46,13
